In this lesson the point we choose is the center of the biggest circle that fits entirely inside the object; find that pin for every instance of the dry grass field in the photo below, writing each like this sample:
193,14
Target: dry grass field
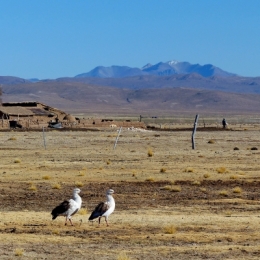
172,202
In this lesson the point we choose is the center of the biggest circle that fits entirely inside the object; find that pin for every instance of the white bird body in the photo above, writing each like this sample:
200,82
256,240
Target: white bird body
68,208
104,209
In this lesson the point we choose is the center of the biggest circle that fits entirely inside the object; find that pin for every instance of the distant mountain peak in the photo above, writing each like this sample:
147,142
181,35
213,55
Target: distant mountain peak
148,65
173,62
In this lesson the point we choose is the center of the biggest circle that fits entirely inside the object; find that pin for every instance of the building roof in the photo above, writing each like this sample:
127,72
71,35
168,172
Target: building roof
16,110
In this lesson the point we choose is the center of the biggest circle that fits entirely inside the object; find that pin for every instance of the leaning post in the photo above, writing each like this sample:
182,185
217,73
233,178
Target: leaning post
194,131
43,135
117,137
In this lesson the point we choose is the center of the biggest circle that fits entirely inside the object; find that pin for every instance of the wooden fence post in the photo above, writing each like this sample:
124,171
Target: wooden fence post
43,134
194,131
117,137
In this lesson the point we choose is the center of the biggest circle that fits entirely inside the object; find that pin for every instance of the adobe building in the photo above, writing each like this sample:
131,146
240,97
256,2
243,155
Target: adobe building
28,114
36,115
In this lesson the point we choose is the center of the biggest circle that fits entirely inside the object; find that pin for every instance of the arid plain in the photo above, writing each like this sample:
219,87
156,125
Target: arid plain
172,202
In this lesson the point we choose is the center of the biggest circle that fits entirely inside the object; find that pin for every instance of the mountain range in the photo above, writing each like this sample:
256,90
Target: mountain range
159,69
163,88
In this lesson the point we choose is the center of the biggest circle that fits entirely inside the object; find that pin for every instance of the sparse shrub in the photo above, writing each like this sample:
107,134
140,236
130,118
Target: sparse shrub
254,148
206,175
163,170
237,190
55,232
46,177
123,256
233,177
236,148
203,190
150,153
171,229
189,169
228,214
221,170
196,183
78,184
32,187
223,193
17,160
12,138
18,252
108,162
211,141
83,211
167,187
56,186
176,188
81,173
150,179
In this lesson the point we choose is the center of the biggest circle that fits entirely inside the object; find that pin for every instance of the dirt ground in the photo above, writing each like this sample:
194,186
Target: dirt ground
172,202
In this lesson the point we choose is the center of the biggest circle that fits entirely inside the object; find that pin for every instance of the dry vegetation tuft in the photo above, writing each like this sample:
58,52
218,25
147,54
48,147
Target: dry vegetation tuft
223,193
18,252
83,211
222,170
189,169
123,256
150,179
237,190
176,188
46,177
78,184
171,229
56,186
206,175
150,153
12,138
32,187
17,160
162,170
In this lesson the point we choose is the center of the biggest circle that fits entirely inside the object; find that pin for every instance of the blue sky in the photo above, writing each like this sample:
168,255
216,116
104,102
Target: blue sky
57,38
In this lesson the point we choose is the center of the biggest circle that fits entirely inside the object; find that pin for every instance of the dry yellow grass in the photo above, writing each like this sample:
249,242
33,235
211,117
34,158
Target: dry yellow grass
12,138
46,177
237,190
189,169
221,170
18,252
150,152
79,184
170,229
176,188
83,211
202,215
196,183
32,187
150,179
123,256
223,193
17,160
56,186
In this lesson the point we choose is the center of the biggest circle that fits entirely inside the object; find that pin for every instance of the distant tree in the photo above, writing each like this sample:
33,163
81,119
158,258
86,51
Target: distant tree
1,92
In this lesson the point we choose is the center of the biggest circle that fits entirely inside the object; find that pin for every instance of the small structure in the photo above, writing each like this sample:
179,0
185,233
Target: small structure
29,114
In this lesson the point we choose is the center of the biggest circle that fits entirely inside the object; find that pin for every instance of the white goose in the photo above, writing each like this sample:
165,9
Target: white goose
104,209
68,208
